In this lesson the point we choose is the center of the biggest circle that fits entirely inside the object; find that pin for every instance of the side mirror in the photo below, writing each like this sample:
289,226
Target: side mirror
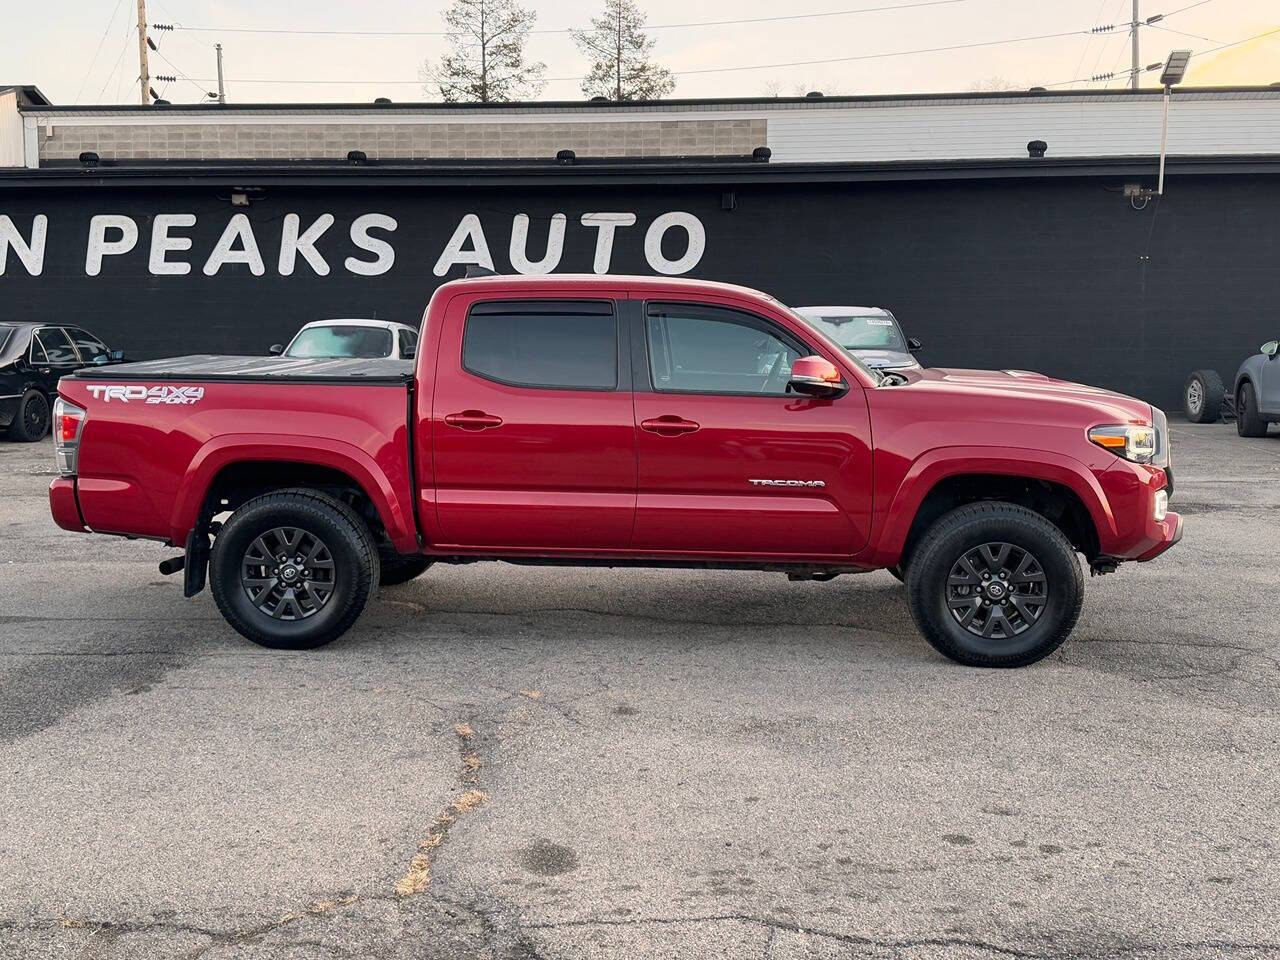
408,352
276,349
1269,348
914,345
816,377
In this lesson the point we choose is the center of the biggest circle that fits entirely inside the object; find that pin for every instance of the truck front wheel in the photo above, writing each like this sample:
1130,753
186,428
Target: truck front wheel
293,569
994,585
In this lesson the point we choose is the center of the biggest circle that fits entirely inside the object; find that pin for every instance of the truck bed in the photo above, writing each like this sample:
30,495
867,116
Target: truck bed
215,367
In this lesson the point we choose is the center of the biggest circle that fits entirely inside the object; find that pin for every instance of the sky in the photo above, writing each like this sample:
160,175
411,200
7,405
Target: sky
85,51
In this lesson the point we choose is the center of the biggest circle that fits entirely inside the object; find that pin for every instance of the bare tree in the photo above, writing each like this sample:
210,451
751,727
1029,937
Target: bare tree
995,84
486,60
619,50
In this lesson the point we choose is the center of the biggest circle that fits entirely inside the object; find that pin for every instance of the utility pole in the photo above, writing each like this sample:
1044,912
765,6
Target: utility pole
222,93
144,72
1133,42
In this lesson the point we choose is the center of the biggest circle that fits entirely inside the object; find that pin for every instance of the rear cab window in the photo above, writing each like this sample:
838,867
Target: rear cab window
548,344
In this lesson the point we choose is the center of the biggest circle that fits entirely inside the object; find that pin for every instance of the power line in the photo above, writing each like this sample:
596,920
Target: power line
97,50
1236,43
123,47
1197,53
757,66
562,30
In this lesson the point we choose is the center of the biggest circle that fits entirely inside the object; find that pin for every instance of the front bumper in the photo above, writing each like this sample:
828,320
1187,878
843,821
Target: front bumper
1172,532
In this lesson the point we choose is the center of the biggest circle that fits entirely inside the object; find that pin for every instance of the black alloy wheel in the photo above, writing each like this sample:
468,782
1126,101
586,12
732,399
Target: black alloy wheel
997,590
293,569
288,573
994,584
32,420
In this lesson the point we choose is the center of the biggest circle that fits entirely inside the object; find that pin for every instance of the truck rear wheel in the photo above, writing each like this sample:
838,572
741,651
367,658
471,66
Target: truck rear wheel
994,585
293,569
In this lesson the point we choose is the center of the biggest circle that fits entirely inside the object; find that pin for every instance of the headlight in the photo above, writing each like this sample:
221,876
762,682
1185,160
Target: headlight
1128,440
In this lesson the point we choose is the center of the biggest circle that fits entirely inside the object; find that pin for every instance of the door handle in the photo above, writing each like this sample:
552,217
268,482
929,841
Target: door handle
669,425
473,420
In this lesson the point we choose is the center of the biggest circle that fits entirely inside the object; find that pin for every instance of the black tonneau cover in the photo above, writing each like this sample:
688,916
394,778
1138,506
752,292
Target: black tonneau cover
292,369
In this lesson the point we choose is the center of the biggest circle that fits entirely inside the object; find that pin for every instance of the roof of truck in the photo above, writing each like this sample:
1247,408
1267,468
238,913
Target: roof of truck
578,282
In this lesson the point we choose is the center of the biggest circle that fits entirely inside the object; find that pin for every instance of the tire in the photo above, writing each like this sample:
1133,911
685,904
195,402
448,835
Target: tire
33,418
313,617
402,569
897,573
1202,397
1249,422
1050,584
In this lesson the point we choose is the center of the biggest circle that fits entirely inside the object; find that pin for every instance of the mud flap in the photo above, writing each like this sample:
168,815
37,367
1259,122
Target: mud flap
196,569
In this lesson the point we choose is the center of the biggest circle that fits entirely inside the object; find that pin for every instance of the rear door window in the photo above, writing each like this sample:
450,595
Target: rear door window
57,347
90,347
570,345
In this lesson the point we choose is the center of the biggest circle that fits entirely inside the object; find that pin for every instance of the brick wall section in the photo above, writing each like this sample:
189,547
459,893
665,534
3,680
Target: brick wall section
241,141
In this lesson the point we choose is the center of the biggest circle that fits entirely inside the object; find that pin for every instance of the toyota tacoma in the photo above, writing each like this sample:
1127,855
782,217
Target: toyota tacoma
612,420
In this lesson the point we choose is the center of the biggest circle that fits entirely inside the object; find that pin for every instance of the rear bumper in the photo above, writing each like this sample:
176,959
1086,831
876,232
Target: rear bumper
63,506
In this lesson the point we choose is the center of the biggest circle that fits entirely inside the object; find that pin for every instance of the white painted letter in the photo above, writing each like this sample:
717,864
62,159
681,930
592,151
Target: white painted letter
520,245
292,243
238,228
162,242
606,223
468,229
31,255
99,246
692,254
386,254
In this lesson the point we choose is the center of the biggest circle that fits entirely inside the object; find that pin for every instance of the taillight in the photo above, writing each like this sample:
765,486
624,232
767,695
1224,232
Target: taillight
68,421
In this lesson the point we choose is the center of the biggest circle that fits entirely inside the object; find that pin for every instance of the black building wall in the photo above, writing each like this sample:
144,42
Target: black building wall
1056,274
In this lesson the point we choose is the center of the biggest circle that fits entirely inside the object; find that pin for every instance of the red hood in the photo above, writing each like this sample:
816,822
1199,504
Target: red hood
1025,383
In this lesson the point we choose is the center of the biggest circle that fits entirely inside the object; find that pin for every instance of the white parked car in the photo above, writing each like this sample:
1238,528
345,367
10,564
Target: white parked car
871,334
366,339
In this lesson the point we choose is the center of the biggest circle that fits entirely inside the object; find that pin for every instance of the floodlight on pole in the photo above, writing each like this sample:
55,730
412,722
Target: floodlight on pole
1175,69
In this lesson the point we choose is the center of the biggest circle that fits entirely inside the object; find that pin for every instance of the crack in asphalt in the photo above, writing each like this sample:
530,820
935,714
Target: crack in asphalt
418,876
775,925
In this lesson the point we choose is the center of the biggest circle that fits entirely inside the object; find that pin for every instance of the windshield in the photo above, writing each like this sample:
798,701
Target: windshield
813,323
6,332
860,331
339,341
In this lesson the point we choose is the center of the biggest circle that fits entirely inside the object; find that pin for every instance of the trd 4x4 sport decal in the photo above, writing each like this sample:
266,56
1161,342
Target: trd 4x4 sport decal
162,394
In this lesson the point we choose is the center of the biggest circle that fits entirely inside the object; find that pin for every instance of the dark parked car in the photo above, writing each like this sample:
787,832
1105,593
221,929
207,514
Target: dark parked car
33,356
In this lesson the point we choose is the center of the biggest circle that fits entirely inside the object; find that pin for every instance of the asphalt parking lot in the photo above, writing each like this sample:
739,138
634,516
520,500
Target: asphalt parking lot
522,762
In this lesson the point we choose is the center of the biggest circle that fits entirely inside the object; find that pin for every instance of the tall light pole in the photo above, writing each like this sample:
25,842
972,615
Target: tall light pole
1133,48
222,93
1175,68
144,72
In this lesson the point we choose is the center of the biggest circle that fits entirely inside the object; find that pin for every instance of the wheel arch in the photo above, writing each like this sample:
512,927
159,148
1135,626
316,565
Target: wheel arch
1057,487
228,471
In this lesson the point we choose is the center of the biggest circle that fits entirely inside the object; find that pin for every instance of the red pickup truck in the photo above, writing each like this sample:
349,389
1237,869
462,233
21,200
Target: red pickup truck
612,420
